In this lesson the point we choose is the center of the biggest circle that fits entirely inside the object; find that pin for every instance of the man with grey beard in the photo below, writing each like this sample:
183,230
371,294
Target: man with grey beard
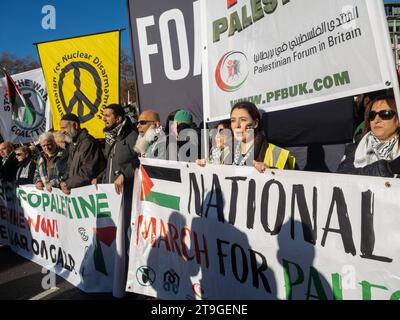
151,142
85,159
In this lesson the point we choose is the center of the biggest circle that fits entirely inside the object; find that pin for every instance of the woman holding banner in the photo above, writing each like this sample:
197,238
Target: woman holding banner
377,153
250,145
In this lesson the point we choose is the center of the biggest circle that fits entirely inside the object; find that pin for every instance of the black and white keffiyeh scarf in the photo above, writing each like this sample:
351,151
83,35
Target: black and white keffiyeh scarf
240,159
112,134
370,150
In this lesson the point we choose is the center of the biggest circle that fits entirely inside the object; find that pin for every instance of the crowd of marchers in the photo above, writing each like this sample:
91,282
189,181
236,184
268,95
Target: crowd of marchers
71,157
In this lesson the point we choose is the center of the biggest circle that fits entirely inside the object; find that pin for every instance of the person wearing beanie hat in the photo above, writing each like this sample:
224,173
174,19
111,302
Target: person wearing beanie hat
183,142
182,120
183,116
71,117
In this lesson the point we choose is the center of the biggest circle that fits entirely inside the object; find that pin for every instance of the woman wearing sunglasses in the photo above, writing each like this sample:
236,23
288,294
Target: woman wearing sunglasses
377,153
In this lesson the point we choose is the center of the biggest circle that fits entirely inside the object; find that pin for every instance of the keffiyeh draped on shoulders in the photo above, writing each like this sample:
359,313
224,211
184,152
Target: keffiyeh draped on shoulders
370,150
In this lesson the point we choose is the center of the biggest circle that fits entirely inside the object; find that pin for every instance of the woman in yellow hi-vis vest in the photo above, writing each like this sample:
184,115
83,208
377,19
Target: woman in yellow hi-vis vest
250,146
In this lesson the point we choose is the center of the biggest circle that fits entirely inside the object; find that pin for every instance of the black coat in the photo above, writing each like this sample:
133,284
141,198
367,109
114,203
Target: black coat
120,156
85,161
379,168
9,168
189,149
25,177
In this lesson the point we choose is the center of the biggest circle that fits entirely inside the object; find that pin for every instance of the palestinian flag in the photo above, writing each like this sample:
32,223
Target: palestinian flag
157,179
231,3
106,236
21,110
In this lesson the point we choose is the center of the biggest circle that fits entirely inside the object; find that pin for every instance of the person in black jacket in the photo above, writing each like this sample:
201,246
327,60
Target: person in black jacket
85,158
8,165
26,166
378,152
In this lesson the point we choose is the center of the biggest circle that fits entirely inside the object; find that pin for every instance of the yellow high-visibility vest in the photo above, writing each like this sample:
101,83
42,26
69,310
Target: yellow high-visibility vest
279,158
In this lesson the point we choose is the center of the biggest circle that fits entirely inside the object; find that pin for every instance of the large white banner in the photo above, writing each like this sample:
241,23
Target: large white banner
74,236
33,87
223,232
284,54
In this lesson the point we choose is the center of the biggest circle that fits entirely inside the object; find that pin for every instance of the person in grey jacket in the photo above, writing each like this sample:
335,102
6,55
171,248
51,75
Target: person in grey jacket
121,163
378,152
85,158
120,141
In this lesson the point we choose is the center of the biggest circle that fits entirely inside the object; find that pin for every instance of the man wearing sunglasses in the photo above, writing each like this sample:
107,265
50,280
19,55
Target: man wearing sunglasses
377,153
151,142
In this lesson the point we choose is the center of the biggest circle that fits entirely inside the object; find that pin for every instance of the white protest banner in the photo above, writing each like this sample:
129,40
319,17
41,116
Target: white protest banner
223,232
285,54
33,88
74,236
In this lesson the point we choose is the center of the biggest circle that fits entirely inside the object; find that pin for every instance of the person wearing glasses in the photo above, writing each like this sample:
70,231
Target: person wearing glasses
377,153
26,166
151,142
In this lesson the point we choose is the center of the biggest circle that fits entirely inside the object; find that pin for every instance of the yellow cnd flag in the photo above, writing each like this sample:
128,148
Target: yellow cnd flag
82,77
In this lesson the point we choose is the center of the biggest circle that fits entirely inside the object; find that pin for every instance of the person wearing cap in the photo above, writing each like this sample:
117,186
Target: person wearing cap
85,158
183,144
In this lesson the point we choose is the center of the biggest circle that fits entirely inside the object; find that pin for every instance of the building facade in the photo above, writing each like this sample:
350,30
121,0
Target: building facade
392,9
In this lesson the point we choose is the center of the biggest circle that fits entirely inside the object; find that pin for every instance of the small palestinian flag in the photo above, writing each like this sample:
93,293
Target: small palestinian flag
159,178
21,110
230,3
106,236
